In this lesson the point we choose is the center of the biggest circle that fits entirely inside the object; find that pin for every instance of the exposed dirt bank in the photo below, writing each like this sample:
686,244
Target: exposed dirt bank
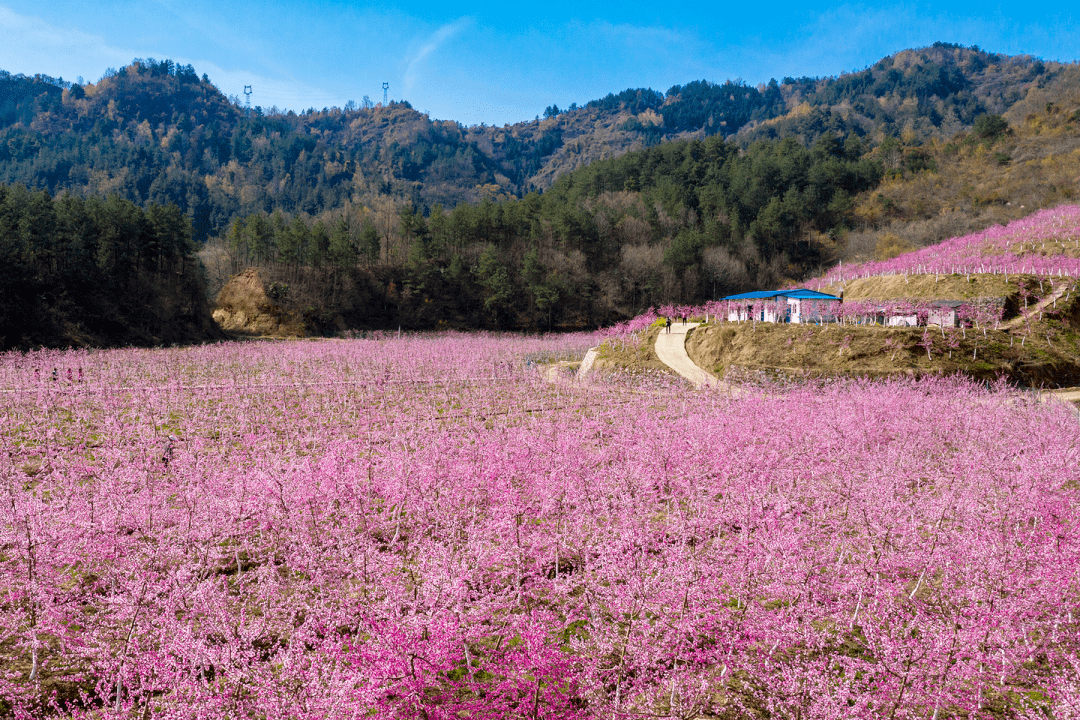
633,354
1025,358
245,306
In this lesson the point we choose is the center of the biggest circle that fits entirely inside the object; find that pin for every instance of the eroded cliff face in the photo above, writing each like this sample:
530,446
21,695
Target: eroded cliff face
244,306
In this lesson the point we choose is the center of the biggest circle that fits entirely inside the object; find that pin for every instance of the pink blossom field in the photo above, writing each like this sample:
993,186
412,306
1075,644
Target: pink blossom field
426,527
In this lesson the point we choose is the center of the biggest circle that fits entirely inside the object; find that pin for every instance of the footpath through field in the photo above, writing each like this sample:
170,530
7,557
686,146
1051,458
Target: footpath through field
1040,306
671,349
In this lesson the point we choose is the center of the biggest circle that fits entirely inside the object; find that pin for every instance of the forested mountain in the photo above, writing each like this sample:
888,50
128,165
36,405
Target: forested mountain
1005,168
916,95
156,132
380,216
684,220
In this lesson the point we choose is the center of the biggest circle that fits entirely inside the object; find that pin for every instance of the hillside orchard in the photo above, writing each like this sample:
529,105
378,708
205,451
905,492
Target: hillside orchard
1044,243
426,527
1040,251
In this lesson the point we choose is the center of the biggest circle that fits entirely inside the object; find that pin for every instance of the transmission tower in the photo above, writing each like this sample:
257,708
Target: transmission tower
247,105
385,87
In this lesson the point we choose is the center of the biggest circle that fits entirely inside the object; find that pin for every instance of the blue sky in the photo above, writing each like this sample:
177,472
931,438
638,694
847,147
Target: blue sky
502,62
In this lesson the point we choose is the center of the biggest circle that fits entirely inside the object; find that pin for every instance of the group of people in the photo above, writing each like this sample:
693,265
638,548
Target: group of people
56,375
667,324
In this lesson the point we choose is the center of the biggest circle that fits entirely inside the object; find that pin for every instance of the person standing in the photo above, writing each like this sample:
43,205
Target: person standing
668,325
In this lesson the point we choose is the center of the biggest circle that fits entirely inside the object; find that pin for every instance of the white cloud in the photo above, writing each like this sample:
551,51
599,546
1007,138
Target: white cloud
430,45
30,45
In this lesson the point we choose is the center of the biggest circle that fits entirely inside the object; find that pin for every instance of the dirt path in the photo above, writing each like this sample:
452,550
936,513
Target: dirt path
671,349
587,362
1067,394
1038,307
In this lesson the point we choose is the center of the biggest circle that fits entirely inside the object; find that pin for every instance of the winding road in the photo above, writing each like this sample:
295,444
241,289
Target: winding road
671,349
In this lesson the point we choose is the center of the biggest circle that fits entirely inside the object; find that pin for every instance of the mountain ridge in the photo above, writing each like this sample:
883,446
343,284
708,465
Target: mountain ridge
157,132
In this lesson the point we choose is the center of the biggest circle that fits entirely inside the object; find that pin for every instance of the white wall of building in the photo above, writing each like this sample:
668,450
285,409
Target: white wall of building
796,311
902,320
946,317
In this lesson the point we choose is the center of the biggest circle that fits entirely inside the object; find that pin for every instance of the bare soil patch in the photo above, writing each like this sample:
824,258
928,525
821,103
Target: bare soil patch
633,354
244,306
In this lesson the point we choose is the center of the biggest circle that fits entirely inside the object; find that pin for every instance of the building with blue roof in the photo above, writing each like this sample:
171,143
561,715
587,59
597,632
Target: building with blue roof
795,306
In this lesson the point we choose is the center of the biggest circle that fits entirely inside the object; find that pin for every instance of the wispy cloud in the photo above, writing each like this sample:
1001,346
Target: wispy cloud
31,45
640,35
430,45
223,38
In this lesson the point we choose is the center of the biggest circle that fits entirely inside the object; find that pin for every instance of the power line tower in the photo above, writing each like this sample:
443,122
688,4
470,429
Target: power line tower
385,87
247,104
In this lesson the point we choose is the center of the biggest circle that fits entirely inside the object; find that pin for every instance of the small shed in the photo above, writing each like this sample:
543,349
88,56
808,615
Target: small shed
944,313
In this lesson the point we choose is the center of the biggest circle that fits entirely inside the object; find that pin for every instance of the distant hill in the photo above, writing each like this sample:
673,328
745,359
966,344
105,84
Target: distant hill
915,95
157,132
1003,169
368,217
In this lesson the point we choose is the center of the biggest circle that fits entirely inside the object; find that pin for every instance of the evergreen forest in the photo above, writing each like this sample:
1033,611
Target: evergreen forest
97,271
677,222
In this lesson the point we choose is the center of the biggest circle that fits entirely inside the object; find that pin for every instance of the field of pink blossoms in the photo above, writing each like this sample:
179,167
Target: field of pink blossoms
423,527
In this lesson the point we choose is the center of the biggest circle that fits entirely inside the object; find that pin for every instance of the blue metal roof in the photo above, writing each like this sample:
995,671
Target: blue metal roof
797,293
756,295
804,294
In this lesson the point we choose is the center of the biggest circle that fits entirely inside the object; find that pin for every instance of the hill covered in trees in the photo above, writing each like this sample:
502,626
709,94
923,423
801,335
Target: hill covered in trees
373,216
933,92
1005,168
157,132
681,221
